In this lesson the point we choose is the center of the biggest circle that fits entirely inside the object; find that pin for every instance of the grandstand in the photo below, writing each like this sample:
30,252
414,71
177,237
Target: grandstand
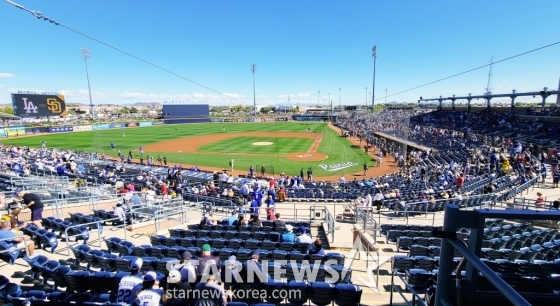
395,256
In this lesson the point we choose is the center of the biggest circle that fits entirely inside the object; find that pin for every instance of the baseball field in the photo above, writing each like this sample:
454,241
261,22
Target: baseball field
280,146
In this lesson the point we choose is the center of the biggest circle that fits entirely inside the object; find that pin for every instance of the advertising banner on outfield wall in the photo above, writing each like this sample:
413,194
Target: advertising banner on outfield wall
60,129
145,123
133,124
3,133
16,131
83,128
218,120
36,130
281,119
240,120
117,125
100,126
270,119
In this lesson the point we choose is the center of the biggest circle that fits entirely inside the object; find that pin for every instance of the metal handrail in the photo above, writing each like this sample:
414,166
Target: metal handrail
11,239
416,298
454,219
98,231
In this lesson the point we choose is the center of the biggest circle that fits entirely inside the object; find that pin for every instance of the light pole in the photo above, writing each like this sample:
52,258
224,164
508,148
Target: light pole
339,96
374,55
253,69
385,97
86,54
318,95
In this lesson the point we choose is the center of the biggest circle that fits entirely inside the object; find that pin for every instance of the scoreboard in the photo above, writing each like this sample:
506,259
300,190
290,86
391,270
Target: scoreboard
39,105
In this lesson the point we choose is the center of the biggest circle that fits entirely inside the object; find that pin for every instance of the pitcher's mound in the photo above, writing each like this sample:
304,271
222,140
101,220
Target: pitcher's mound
262,143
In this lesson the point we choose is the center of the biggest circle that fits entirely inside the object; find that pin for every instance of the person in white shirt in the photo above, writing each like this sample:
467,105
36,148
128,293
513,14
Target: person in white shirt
126,293
342,180
378,200
119,212
368,202
304,238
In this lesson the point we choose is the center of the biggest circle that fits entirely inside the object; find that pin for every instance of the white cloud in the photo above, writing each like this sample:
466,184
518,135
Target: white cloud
303,95
1,86
6,75
281,96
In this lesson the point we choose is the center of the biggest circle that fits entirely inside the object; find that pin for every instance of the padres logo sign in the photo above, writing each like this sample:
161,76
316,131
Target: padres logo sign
54,106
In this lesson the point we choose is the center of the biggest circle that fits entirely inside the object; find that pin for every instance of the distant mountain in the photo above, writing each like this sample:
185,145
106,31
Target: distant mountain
144,104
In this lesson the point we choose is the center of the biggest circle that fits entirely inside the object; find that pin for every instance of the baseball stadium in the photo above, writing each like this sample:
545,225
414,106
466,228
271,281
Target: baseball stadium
448,200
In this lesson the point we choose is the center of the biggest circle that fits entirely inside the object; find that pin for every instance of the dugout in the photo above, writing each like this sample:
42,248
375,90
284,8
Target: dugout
185,113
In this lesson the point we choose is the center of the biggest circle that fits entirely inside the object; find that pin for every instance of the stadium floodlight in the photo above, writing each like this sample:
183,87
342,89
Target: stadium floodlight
374,55
253,69
86,54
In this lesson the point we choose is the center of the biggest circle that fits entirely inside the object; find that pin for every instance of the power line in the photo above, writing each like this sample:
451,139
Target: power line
473,69
39,15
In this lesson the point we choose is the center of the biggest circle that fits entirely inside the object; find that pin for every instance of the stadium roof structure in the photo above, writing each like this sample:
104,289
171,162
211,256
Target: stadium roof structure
5,116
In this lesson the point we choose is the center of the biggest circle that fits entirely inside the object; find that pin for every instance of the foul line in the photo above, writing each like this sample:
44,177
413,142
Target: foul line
315,145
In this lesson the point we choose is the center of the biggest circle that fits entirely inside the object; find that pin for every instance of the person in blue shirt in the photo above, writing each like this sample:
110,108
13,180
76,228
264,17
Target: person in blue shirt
233,219
255,204
288,235
543,172
317,247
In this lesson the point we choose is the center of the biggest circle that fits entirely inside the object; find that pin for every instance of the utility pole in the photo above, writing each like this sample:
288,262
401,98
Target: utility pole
86,54
374,55
253,69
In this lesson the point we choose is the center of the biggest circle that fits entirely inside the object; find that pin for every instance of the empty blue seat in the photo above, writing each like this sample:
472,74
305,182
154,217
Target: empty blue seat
347,294
322,293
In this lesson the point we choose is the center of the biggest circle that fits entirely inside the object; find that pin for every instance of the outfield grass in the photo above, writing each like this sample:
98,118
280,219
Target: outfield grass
337,148
243,144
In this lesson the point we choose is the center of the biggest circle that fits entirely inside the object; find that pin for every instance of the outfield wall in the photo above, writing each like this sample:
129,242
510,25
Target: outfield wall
16,131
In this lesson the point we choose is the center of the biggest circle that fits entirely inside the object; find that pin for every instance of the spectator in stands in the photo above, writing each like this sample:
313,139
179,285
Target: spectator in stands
6,232
233,219
317,247
14,221
185,267
555,178
129,284
207,264
149,294
539,202
242,222
255,204
177,287
255,221
119,212
378,200
230,275
253,273
556,204
206,220
277,223
288,235
214,294
304,237
282,194
33,202
460,181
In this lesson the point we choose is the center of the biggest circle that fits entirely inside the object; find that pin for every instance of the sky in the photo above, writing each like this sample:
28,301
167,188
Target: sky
305,50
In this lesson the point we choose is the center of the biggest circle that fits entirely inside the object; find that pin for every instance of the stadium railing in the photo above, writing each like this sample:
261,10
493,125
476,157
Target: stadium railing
99,230
170,209
475,220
